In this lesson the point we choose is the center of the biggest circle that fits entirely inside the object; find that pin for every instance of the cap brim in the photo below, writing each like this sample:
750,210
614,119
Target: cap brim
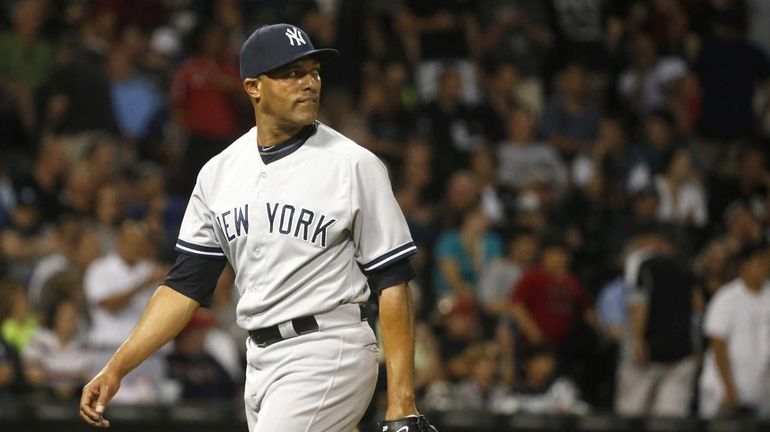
322,55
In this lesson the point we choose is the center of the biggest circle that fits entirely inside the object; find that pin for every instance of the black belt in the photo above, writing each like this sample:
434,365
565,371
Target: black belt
269,335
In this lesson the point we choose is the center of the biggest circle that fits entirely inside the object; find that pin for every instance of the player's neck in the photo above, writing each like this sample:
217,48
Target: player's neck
269,135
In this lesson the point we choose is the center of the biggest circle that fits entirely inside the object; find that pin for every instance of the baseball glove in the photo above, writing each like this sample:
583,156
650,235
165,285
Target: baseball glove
407,424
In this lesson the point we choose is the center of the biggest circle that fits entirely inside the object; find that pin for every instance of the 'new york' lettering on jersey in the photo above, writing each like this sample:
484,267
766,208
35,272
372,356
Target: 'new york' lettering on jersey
299,229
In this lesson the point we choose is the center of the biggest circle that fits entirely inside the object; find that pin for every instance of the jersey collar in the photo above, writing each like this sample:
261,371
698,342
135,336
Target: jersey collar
285,148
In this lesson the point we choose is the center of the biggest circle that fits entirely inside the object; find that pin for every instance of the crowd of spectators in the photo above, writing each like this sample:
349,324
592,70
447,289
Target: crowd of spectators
587,182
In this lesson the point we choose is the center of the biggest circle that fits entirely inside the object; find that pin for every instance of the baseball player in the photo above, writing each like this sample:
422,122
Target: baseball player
308,221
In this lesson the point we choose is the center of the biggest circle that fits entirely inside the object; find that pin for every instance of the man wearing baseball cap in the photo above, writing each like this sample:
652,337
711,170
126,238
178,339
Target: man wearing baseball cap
308,221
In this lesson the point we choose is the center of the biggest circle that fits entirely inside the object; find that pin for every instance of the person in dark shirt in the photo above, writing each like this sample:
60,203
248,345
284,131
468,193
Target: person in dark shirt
43,182
728,92
454,128
658,365
200,375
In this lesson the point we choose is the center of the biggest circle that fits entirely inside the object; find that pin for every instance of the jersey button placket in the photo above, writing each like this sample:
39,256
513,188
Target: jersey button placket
260,188
260,196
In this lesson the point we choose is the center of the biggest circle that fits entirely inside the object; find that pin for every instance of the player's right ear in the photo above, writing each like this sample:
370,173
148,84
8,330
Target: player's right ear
252,87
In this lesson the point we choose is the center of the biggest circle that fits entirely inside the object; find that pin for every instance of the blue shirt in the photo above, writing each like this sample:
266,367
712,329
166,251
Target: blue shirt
135,101
611,304
450,246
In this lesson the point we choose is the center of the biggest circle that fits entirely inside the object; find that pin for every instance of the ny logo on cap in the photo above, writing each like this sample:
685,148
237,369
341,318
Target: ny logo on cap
295,36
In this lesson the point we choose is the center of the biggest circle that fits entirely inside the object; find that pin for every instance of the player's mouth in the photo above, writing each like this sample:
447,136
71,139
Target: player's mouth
308,100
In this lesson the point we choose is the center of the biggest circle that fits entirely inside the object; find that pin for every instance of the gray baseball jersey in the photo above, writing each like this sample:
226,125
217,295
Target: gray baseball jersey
298,230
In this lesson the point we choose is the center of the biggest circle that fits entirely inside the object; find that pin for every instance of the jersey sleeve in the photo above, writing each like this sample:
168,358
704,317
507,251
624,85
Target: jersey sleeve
380,232
196,235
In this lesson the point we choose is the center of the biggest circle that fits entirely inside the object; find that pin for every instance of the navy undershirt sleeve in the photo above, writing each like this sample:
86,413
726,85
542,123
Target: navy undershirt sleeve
393,274
195,276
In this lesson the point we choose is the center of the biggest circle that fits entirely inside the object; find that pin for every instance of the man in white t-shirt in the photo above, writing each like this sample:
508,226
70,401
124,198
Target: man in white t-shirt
117,288
736,373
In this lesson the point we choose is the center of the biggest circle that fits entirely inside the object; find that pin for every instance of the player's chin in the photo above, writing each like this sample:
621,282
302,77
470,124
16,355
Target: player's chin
305,114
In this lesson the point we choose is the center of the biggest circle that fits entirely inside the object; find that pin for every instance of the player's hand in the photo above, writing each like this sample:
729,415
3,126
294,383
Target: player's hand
96,395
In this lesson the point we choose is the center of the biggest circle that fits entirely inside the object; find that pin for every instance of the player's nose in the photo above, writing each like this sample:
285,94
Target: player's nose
311,83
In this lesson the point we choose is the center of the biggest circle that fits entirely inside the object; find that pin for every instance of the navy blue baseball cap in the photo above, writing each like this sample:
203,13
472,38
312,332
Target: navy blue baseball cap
276,45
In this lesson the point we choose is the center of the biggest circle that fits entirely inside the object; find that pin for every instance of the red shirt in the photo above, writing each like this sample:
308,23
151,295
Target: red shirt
553,304
207,109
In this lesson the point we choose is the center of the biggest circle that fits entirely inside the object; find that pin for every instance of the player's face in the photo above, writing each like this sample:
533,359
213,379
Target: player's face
291,94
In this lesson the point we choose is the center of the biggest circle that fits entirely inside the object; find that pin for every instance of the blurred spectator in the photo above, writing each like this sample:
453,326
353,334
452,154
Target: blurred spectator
389,120
78,102
56,358
489,381
136,101
17,322
507,90
462,254
541,389
434,32
42,183
650,155
499,278
413,196
579,28
204,95
26,59
439,29
646,84
611,310
140,13
570,120
748,72
712,267
101,154
160,209
743,227
525,162
548,301
459,330
462,195
69,236
749,183
530,212
483,168
201,376
608,158
79,190
736,372
658,365
117,288
109,212
539,371
682,198
25,238
516,31
453,127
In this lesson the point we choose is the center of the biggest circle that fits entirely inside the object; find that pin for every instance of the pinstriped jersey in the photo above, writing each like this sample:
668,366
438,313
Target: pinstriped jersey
301,230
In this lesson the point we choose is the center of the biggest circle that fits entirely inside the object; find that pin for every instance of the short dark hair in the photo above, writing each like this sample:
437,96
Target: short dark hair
749,251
